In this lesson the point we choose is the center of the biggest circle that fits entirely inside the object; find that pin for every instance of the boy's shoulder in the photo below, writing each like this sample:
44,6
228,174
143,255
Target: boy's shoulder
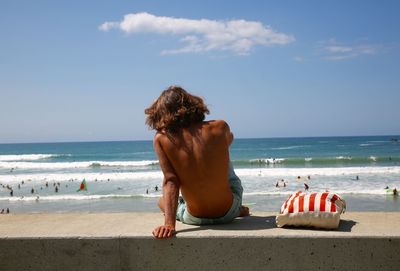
213,126
220,125
217,123
159,137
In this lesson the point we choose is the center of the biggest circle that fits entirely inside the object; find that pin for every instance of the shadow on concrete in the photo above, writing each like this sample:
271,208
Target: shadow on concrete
247,223
344,226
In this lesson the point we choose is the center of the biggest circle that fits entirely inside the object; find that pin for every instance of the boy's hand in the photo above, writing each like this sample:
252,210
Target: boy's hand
164,231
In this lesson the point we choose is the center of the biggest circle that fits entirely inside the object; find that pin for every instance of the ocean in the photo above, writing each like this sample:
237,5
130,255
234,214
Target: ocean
125,176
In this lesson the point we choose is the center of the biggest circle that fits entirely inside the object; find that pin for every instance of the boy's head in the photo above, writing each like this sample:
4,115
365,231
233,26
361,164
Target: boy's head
174,109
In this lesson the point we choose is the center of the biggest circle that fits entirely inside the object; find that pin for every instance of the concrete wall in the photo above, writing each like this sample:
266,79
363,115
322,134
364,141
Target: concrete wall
201,254
249,244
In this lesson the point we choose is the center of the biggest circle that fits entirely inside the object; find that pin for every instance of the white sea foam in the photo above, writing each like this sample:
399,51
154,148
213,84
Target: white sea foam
83,197
343,157
77,176
316,171
335,190
288,147
366,145
274,160
268,160
157,174
75,197
268,193
70,165
26,157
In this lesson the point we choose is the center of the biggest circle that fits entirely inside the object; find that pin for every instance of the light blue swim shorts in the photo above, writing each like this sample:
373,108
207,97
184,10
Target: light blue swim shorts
184,216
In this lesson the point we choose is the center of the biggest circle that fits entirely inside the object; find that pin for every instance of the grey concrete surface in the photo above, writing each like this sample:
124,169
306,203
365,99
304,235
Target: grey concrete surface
123,241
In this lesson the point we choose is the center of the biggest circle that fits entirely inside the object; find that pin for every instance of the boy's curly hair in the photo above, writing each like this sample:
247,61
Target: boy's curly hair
175,109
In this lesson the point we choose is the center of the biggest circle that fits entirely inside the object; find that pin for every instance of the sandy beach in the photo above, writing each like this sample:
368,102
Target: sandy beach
257,203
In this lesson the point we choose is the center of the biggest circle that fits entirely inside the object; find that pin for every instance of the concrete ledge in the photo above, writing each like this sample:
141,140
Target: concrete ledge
115,241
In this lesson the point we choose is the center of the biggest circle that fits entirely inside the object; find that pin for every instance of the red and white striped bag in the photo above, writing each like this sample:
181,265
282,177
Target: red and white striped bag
320,210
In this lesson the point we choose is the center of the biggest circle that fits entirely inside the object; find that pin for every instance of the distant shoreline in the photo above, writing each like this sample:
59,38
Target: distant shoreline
259,203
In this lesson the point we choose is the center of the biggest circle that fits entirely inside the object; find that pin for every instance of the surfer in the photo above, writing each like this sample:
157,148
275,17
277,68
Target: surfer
194,158
306,187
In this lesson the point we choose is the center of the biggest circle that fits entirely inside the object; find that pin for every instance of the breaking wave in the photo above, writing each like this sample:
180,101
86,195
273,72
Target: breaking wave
29,157
71,165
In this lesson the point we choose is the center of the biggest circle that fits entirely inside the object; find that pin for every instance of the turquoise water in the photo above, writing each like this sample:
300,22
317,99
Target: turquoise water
122,176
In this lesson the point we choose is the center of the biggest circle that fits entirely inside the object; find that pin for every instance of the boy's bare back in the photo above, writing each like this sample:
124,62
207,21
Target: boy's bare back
198,156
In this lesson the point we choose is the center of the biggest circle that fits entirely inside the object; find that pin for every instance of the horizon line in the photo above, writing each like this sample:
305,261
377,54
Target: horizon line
239,138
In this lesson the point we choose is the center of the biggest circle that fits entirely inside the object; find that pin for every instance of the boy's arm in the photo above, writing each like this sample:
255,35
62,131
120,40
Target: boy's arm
227,131
170,193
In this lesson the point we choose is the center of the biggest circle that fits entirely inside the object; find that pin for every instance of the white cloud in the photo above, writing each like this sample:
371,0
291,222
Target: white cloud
239,36
298,59
332,50
338,49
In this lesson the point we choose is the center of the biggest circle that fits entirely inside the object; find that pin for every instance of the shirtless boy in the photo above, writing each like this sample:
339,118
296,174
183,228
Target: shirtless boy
194,158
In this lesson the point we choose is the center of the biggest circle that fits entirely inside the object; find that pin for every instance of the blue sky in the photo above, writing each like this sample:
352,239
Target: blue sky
86,70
